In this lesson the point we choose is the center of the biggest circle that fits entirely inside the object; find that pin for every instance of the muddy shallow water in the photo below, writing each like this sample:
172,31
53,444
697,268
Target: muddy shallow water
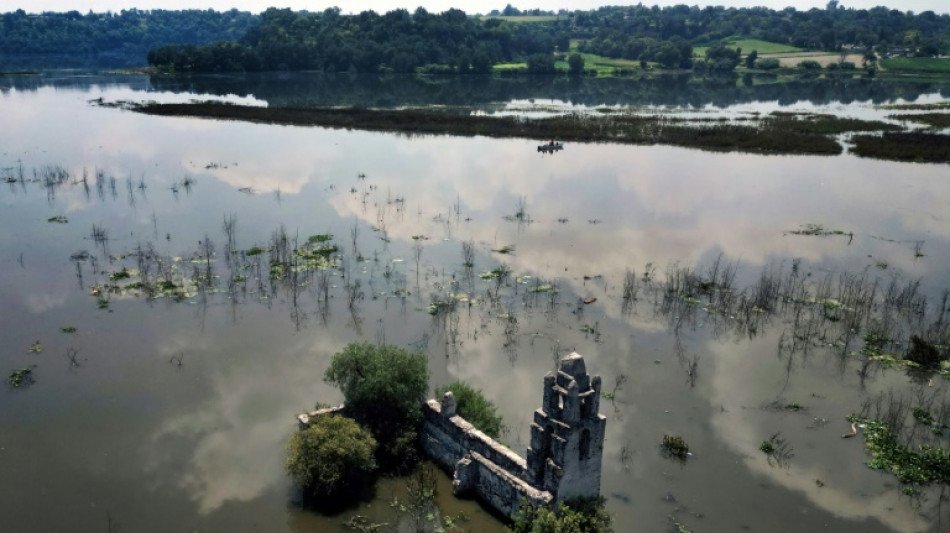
171,413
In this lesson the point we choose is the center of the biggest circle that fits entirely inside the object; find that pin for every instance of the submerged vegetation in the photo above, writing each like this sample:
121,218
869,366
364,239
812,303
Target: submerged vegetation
675,446
905,436
19,378
777,134
918,147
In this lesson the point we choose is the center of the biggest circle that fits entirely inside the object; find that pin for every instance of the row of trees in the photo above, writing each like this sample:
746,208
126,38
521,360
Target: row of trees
396,41
400,41
613,30
116,39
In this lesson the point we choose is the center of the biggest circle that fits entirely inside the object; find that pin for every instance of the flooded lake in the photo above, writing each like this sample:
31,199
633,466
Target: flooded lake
731,296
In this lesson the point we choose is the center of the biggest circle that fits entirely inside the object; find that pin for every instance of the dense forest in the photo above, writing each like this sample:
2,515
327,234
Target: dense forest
110,39
368,42
451,41
455,42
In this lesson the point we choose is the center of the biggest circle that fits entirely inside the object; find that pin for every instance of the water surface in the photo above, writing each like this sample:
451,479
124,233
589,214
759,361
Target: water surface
177,412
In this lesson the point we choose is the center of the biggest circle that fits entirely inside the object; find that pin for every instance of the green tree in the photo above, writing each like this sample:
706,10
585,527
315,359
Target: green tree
721,58
575,64
751,58
541,64
333,457
383,389
581,515
472,405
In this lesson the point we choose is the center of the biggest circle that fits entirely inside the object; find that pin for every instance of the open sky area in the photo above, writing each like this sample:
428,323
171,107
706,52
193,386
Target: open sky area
469,6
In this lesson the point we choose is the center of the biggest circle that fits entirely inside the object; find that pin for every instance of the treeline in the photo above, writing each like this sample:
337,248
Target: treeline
114,39
396,41
640,32
452,41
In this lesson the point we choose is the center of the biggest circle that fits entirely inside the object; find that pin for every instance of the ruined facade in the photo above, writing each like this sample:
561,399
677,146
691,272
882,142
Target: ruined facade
564,458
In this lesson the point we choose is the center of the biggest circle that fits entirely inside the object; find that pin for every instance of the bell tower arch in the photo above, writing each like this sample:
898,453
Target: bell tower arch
567,434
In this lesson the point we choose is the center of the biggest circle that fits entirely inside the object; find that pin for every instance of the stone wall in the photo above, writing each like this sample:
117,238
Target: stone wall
481,466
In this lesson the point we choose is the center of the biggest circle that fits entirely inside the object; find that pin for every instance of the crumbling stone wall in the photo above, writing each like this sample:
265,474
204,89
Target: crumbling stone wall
564,459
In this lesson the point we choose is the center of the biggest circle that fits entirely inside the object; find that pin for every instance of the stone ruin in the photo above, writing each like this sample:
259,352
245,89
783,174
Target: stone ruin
564,458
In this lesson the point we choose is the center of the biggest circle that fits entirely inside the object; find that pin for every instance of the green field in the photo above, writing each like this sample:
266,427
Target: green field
917,64
603,65
748,45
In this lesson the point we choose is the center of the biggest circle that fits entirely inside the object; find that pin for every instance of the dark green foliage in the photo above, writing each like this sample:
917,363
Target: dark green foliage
722,59
383,389
580,515
397,41
768,63
541,64
809,64
401,41
116,39
575,64
924,354
751,58
472,405
333,457
906,146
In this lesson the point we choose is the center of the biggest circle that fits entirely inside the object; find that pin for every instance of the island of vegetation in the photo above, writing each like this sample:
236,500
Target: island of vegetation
778,133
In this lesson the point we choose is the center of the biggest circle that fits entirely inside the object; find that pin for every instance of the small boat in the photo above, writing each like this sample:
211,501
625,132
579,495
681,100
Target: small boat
551,147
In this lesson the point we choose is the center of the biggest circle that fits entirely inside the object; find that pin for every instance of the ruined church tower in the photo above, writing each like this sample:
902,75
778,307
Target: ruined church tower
567,435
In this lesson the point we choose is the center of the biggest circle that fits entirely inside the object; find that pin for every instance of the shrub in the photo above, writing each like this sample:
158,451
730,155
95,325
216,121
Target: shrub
768,63
383,389
333,457
472,405
675,446
580,515
810,64
575,64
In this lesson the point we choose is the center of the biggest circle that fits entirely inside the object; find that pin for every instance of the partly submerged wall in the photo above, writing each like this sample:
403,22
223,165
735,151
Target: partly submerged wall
482,467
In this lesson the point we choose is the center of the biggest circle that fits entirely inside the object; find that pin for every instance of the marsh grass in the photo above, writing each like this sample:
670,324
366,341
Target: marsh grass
934,120
917,147
777,134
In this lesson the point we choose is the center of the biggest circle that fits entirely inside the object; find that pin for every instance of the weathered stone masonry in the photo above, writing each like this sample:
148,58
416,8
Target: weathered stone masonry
564,458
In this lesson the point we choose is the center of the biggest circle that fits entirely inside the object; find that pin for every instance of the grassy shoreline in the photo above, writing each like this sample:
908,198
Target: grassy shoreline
774,134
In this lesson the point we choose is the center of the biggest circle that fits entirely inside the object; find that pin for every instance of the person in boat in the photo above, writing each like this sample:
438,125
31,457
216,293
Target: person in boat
551,143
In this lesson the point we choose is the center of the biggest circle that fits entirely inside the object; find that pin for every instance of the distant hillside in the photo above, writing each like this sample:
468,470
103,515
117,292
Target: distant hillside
120,39
452,41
